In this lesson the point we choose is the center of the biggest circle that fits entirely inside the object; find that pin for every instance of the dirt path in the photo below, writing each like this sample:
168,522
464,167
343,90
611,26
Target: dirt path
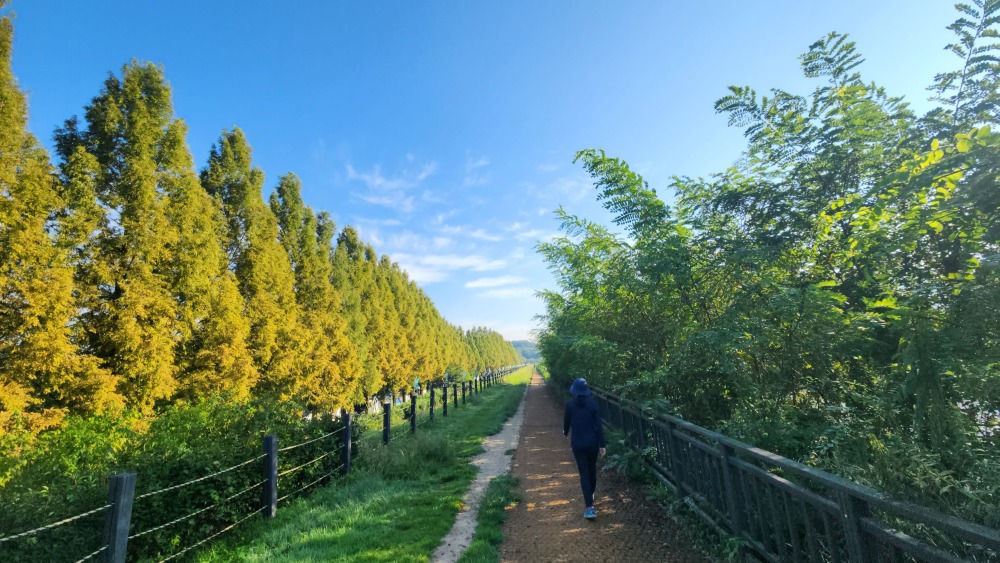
493,462
548,524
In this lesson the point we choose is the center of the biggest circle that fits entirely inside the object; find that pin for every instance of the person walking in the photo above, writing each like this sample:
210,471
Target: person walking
583,420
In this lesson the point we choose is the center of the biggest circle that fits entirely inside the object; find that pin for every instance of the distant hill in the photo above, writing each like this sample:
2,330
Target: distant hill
528,350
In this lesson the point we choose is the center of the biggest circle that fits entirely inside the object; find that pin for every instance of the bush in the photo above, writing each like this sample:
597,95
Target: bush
65,473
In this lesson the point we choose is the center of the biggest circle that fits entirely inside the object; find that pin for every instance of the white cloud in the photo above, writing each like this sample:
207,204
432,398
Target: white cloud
440,217
479,233
391,191
473,175
430,196
509,292
574,187
495,282
424,275
442,242
376,181
529,235
548,167
407,240
437,267
401,204
373,221
483,235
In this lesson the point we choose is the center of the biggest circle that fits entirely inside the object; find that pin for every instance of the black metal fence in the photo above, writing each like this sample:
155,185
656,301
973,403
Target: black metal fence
786,511
231,500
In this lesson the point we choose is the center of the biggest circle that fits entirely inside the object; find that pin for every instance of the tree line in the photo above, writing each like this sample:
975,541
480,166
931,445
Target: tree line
129,281
832,296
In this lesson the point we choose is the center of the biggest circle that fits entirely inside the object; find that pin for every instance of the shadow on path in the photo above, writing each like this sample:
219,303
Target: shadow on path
548,524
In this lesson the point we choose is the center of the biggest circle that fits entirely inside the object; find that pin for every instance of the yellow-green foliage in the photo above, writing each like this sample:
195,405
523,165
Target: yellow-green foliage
128,281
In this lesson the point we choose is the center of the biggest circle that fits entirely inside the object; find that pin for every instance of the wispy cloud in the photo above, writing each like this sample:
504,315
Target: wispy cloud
427,268
529,235
475,174
404,204
479,233
495,282
374,221
547,167
509,292
574,187
523,233
441,217
391,191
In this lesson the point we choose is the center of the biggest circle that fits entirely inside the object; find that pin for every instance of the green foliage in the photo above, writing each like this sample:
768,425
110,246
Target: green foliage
527,349
158,320
64,473
396,505
832,297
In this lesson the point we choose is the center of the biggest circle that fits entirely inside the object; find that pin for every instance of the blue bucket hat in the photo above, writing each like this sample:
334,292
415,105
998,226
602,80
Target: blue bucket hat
580,387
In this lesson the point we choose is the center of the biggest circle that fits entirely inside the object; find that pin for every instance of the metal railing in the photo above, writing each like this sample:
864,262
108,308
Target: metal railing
783,510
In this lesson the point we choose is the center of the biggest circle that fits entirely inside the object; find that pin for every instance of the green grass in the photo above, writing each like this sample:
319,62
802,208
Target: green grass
398,502
501,494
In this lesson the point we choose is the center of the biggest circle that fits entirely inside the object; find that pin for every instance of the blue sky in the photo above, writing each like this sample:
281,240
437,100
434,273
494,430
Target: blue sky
445,131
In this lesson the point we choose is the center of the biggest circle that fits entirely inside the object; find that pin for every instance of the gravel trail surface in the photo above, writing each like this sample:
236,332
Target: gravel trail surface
548,524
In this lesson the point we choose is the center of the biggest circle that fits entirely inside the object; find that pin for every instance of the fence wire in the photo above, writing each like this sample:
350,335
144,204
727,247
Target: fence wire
54,524
197,512
94,554
199,479
299,445
306,486
296,468
215,535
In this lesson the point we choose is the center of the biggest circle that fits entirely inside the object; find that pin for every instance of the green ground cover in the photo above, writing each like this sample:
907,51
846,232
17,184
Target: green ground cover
501,494
398,502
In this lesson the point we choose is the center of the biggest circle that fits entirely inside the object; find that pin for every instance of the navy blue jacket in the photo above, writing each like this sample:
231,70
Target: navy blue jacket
584,419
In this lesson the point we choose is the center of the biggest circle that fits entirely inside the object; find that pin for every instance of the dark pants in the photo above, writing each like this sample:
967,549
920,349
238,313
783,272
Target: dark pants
586,462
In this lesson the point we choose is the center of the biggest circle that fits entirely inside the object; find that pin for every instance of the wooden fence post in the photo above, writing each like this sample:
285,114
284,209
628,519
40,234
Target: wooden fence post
345,444
270,500
413,414
444,400
432,402
121,493
853,510
454,394
463,392
386,421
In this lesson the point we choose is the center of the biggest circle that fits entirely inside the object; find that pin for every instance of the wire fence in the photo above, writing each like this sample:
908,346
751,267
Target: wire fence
160,526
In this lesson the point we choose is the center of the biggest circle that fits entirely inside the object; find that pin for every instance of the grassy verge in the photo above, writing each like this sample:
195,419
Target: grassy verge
398,502
501,494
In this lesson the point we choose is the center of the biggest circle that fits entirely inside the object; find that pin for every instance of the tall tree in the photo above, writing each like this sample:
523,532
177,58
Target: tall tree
162,314
330,365
213,356
42,372
260,263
